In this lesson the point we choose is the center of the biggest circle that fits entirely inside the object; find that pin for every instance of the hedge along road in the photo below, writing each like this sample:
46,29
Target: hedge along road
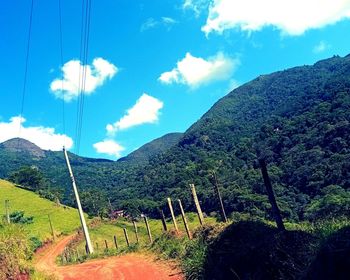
127,267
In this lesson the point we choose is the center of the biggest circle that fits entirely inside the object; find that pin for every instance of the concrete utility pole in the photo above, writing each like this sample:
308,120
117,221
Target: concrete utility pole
89,247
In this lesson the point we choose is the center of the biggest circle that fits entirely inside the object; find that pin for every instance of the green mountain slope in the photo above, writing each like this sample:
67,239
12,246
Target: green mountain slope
298,119
153,148
64,219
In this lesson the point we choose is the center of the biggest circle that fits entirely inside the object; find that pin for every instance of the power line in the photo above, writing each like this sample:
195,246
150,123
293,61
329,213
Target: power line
26,66
61,58
84,43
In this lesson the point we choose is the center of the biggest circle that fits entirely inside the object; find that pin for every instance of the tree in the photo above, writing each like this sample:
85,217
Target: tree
29,177
334,201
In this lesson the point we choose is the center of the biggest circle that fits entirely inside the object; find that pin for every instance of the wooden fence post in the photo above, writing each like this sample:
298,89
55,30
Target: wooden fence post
184,220
275,210
7,209
148,229
136,234
51,227
126,237
106,245
165,228
115,242
217,190
196,202
172,215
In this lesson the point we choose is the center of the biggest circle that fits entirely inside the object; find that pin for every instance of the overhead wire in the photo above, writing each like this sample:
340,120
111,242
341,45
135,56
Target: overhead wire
80,74
61,62
26,68
84,47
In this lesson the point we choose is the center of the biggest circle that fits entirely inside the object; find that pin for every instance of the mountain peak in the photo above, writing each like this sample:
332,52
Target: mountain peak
22,145
153,148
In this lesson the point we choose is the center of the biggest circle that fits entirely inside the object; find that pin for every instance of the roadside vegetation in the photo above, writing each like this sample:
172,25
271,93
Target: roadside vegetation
29,229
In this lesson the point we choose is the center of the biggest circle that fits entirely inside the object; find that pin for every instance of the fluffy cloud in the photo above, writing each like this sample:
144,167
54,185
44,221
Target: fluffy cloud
96,75
197,6
44,137
320,47
196,71
292,17
146,110
109,147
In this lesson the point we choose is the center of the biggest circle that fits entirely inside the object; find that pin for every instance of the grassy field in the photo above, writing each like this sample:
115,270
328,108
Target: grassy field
64,219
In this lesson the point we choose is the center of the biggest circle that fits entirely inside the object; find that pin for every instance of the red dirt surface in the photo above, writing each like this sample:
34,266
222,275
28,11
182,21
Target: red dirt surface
127,267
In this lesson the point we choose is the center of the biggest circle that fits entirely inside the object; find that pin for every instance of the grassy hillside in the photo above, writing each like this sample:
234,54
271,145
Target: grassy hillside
64,219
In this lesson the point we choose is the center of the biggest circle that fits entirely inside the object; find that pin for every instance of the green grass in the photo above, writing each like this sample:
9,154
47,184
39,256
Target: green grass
107,230
64,219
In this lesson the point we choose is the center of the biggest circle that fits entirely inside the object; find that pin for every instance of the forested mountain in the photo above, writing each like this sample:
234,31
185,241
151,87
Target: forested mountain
153,148
297,119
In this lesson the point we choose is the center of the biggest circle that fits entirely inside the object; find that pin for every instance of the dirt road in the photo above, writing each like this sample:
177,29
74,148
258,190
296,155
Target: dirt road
127,267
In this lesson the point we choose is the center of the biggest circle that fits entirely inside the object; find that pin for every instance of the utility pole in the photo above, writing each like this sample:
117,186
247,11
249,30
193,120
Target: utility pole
89,247
216,185
275,210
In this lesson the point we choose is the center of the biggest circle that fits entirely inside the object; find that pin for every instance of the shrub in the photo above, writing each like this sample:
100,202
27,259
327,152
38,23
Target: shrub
18,217
14,252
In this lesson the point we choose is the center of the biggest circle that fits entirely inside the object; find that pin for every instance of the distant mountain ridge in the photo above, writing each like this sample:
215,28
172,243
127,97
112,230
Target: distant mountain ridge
154,148
18,152
23,146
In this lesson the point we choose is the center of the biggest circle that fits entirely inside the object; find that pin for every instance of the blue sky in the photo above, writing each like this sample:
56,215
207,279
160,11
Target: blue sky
153,66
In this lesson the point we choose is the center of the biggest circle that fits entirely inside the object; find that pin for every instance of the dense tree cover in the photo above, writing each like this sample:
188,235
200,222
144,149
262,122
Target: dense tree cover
297,119
153,148
29,177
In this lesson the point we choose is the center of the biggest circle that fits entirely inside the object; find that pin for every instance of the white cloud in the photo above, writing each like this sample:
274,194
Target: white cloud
320,47
150,23
44,137
109,147
197,6
292,17
168,20
146,110
196,71
96,75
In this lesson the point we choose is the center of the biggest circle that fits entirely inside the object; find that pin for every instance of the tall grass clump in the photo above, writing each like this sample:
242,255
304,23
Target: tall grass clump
15,252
